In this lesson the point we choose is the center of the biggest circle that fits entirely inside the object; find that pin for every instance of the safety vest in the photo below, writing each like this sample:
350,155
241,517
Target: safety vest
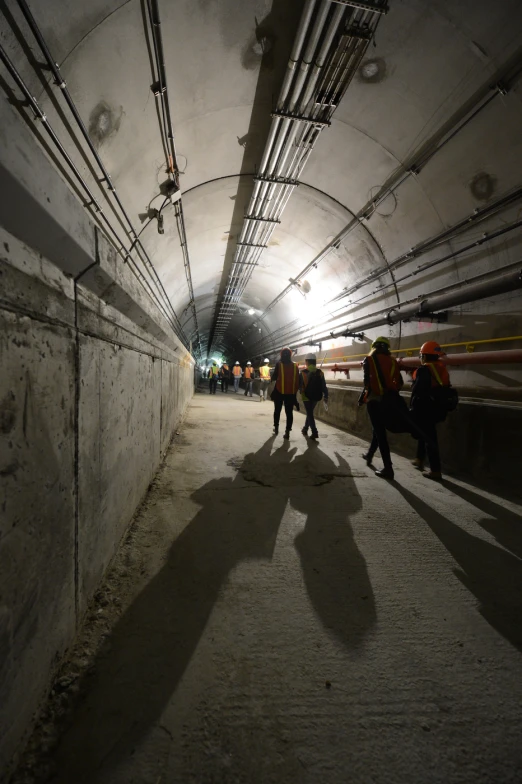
287,378
236,370
249,372
439,374
389,372
214,371
264,373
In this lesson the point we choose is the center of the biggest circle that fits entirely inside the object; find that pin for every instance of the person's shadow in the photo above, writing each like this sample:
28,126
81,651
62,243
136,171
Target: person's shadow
506,526
334,570
147,653
491,573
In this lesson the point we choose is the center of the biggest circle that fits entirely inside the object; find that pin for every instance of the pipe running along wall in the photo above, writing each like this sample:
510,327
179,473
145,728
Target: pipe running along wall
305,106
153,285
491,286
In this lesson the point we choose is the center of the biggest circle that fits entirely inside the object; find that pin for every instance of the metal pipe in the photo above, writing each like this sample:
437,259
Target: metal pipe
60,82
492,286
504,80
508,357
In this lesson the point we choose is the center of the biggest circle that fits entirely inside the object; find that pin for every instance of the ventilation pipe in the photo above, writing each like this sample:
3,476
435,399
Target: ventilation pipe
491,287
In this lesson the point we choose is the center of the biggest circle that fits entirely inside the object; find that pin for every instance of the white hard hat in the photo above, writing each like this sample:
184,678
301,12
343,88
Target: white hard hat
311,358
249,363
266,360
237,363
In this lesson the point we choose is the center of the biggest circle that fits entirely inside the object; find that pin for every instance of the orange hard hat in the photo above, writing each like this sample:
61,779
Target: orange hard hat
431,347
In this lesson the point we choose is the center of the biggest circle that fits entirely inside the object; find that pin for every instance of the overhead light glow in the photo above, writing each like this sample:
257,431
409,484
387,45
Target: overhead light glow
251,311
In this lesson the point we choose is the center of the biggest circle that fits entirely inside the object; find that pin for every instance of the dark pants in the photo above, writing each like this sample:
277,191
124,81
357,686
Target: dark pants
310,421
224,385
430,444
248,387
213,385
379,431
288,401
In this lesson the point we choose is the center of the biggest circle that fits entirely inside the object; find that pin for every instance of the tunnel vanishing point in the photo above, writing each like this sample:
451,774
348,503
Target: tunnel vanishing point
185,595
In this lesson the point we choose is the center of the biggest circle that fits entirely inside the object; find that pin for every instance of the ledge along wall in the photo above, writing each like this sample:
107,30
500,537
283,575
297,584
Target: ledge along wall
93,383
479,441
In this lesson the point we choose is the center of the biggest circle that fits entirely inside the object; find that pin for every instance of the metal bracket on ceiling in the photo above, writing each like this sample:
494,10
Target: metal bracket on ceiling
431,318
251,245
301,118
361,33
364,5
259,218
277,180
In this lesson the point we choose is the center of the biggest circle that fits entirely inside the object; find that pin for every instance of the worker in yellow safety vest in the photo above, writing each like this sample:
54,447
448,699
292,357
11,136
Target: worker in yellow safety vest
264,380
213,374
286,377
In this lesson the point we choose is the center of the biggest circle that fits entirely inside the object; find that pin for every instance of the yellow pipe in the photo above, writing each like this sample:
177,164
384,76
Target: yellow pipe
470,343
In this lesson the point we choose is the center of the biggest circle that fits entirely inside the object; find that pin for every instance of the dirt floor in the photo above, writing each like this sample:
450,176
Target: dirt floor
279,615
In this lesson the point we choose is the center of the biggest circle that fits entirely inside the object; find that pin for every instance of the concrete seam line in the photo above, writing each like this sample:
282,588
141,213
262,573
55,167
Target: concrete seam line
77,454
21,311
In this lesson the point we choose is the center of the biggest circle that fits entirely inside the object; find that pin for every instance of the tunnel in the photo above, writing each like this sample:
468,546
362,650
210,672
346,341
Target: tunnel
200,202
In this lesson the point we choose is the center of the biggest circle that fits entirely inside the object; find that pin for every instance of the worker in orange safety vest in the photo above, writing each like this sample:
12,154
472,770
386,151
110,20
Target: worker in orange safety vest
249,379
286,377
431,377
237,373
381,377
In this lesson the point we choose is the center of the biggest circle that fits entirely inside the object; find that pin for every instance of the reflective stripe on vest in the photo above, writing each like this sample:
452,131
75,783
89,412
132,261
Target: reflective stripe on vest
248,372
439,377
236,370
383,371
294,381
264,372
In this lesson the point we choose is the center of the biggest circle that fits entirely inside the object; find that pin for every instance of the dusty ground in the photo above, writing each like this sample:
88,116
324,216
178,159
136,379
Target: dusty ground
278,615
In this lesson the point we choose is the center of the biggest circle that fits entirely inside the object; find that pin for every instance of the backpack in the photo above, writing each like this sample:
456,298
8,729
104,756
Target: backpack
314,387
445,400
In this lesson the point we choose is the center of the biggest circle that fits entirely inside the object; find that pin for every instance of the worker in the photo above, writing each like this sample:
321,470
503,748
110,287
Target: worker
249,379
264,380
312,385
213,375
286,378
225,377
427,405
382,381
237,373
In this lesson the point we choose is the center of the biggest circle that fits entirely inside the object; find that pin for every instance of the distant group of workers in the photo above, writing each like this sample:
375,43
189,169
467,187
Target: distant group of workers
287,381
225,375
432,397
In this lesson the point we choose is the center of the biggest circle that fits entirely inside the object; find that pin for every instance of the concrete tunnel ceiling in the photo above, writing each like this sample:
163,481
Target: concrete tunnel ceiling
225,63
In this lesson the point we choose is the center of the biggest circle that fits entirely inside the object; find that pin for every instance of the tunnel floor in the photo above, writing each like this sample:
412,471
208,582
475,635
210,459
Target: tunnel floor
296,619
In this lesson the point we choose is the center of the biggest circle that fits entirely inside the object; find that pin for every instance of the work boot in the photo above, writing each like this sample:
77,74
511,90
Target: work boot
287,435
368,457
304,431
276,430
385,473
418,463
435,475
314,436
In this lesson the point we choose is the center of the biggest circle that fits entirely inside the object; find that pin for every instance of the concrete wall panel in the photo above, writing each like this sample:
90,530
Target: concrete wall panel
119,421
88,402
37,618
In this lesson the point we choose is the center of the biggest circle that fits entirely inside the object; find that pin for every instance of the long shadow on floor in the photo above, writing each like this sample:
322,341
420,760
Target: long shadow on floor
492,574
506,526
146,655
148,651
334,569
